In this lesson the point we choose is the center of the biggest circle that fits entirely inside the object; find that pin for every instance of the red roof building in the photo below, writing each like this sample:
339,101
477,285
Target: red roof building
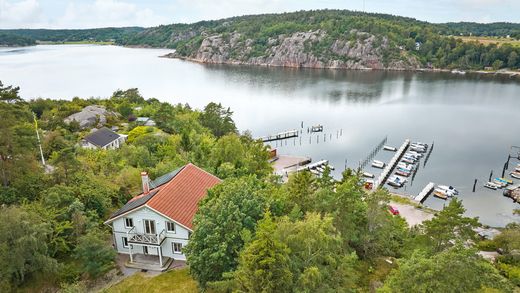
160,220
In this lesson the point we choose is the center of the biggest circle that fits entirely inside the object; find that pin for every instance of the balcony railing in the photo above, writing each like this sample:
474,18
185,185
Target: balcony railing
139,238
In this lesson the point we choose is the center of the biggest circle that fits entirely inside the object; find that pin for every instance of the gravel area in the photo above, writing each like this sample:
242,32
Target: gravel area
411,214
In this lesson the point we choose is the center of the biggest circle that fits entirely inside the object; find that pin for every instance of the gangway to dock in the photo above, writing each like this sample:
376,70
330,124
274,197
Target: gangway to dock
391,165
425,192
280,136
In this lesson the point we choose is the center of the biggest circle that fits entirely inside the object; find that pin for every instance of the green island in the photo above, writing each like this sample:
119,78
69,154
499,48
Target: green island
252,232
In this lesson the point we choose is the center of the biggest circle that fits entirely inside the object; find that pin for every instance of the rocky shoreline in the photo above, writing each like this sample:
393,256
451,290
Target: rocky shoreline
510,74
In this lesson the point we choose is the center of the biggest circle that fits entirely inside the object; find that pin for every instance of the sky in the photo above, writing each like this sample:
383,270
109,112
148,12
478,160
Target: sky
116,13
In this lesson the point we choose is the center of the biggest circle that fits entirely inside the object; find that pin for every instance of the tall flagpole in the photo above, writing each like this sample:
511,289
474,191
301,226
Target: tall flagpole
38,136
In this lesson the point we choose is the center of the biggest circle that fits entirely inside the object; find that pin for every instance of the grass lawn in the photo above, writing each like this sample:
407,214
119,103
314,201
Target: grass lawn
490,40
172,281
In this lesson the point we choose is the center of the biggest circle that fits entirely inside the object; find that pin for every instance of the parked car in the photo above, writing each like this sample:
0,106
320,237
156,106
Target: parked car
393,210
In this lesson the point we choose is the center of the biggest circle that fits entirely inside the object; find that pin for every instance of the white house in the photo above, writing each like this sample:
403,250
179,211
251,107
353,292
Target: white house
103,138
153,227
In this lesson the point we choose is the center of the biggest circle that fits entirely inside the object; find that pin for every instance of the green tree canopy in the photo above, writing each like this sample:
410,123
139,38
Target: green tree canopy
228,214
454,270
264,262
218,119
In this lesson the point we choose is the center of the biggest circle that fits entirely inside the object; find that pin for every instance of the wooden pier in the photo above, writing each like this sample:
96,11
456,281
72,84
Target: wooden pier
280,136
425,192
391,165
321,163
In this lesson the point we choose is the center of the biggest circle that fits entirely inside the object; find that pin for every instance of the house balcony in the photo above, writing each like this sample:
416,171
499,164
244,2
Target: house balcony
145,239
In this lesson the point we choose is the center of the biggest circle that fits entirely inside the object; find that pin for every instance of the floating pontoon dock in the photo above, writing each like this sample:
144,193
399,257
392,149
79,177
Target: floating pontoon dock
280,136
425,192
391,165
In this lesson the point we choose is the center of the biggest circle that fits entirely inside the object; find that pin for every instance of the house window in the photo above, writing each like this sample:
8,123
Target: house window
129,223
170,227
125,242
177,247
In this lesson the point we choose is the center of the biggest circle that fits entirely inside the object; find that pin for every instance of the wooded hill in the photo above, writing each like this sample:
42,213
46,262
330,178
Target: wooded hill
334,38
317,39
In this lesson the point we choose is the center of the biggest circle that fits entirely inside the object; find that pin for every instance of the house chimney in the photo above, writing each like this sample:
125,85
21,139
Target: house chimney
146,185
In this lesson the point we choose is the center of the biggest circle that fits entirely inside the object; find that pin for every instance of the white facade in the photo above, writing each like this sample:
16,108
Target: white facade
144,214
115,144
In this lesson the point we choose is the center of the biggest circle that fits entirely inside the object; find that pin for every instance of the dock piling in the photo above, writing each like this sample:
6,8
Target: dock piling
474,184
490,175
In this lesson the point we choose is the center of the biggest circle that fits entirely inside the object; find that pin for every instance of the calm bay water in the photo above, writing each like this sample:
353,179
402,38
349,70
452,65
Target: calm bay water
473,120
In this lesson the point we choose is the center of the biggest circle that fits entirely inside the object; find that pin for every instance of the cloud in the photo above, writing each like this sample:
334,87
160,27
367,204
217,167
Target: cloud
103,13
16,14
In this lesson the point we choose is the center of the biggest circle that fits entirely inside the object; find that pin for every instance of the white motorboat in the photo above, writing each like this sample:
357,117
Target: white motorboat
405,166
408,160
490,185
389,148
414,153
420,150
515,174
449,189
378,164
368,175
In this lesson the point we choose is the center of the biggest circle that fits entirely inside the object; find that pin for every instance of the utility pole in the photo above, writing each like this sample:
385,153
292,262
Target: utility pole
38,136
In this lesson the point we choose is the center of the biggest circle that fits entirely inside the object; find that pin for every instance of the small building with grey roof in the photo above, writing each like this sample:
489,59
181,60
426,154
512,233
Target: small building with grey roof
103,138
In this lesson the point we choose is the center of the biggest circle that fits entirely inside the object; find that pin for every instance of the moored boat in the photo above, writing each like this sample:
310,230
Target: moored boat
499,183
368,175
440,194
389,148
408,160
515,174
401,173
378,164
449,189
491,185
507,181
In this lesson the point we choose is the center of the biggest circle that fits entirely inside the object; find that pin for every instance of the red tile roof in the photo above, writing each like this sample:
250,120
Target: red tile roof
178,199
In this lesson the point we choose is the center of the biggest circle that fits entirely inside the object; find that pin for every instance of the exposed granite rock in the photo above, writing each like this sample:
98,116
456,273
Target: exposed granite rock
356,50
90,115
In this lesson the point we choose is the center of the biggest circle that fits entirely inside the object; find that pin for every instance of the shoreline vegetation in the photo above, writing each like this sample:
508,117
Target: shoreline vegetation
455,71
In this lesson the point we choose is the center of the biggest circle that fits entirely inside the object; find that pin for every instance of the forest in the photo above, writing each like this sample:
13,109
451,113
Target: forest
252,232
66,35
14,40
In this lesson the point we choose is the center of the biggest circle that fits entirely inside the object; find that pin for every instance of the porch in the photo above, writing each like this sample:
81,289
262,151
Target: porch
149,262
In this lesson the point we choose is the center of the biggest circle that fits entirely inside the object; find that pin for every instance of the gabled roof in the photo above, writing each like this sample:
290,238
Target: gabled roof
102,137
175,195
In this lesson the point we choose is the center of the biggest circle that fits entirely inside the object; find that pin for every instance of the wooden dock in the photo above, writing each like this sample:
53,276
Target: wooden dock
391,165
321,163
280,136
425,192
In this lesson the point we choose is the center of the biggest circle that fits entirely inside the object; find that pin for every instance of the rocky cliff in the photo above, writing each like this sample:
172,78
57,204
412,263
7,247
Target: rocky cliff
311,49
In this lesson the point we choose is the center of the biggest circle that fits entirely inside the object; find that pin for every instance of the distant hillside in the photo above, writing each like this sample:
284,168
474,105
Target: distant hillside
497,29
316,39
12,40
331,39
70,35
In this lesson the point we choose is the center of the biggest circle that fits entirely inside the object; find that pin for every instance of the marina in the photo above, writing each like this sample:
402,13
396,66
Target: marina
386,172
